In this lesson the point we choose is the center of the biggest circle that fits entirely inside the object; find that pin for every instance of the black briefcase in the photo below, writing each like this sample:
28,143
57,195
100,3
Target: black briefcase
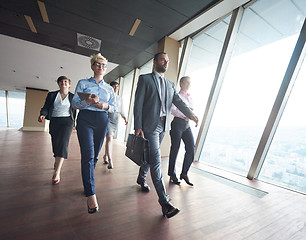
137,149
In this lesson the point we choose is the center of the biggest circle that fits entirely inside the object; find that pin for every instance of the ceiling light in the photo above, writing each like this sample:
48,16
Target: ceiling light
43,11
135,26
30,23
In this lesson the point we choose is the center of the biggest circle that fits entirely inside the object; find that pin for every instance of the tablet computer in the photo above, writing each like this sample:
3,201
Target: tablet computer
83,96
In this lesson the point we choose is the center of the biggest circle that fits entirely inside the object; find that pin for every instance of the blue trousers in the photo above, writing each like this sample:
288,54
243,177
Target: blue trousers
91,131
155,138
180,130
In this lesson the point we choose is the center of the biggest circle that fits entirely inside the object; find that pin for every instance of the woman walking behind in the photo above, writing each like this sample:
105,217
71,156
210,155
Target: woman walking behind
58,110
180,130
113,125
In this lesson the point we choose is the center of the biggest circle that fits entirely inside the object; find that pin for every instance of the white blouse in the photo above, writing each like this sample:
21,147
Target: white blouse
119,105
61,107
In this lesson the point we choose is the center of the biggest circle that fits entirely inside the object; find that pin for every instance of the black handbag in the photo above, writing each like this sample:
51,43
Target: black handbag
137,149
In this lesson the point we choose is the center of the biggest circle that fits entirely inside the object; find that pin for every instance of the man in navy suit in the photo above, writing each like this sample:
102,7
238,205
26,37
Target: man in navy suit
153,99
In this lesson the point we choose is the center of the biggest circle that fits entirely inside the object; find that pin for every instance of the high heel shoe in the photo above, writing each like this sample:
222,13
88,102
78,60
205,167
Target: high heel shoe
110,164
55,181
92,210
105,160
185,177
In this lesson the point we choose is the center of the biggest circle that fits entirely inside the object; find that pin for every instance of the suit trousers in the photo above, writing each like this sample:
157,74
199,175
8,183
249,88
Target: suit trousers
91,131
180,130
154,164
60,129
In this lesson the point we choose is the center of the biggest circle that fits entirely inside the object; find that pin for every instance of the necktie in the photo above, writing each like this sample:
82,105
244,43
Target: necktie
163,96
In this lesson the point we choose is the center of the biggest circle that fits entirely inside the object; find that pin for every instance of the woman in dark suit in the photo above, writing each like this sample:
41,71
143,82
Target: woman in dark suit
58,110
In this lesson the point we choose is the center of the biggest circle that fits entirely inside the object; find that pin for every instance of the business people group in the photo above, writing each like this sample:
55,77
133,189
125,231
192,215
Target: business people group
153,100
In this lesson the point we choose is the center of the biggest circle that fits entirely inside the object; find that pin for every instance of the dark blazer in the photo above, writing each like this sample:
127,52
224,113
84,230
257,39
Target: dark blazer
47,109
148,103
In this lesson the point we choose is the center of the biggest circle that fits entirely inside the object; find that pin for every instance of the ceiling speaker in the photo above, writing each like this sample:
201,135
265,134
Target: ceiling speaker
88,42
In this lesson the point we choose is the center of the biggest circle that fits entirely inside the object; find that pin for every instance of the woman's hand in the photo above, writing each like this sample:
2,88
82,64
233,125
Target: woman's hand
41,118
125,121
92,99
101,105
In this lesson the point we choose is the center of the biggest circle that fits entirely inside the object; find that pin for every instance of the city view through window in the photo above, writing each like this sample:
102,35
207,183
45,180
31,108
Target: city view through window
253,78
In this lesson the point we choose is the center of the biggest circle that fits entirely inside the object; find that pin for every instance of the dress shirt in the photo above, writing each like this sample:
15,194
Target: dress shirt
103,90
187,99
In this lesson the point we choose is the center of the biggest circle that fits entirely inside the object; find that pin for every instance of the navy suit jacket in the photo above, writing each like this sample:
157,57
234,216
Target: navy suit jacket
148,103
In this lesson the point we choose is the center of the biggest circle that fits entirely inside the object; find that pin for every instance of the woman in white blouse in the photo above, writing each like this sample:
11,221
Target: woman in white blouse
113,125
58,110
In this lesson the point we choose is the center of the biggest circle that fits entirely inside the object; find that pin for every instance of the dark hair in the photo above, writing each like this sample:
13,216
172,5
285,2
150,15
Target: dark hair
113,83
157,55
61,78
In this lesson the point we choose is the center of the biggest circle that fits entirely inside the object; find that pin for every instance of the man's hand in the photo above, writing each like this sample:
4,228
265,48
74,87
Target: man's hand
195,119
139,132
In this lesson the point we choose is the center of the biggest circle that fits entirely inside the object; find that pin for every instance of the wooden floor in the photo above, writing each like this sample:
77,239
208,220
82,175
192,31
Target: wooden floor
31,208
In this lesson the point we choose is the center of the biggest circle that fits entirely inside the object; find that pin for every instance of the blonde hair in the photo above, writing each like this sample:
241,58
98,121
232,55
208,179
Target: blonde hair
94,58
184,78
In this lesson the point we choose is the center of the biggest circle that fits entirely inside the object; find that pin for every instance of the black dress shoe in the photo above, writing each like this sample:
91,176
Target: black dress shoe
169,210
173,179
185,177
144,186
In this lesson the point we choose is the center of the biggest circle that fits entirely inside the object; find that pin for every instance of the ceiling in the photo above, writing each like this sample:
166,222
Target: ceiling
35,60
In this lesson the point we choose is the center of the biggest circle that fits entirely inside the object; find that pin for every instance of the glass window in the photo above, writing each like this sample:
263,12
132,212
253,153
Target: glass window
146,68
201,68
126,94
16,104
204,56
263,49
285,163
3,119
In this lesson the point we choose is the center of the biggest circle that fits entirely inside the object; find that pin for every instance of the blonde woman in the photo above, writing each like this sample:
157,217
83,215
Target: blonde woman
92,123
